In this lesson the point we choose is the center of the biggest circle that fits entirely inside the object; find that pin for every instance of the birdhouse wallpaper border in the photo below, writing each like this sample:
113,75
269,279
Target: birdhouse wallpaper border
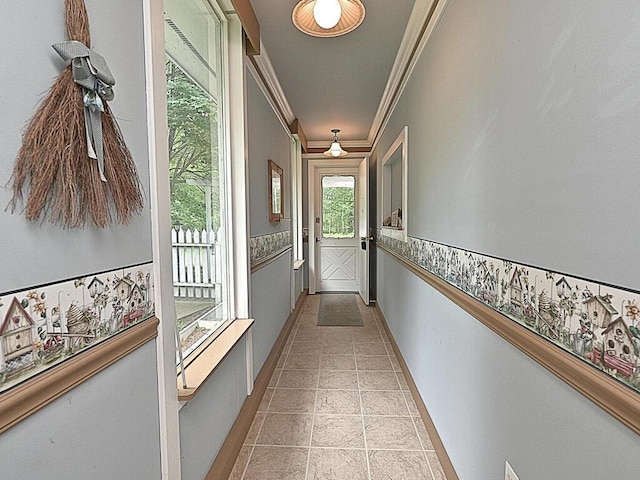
596,322
43,326
264,247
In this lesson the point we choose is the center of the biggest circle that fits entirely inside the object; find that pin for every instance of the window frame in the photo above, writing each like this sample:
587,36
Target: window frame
387,163
188,356
204,359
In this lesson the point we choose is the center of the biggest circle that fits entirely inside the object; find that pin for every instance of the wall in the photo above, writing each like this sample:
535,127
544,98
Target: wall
270,300
206,420
114,415
521,140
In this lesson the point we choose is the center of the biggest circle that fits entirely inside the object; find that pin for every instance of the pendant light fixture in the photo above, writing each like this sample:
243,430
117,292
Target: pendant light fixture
335,150
328,18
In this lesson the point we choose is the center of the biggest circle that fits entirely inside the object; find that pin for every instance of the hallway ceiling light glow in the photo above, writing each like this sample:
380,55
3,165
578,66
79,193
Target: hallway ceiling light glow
335,150
318,17
327,13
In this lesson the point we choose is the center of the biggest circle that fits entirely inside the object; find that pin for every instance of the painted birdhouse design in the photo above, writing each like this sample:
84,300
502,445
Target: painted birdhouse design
515,288
135,306
599,310
563,288
95,287
17,331
619,352
123,289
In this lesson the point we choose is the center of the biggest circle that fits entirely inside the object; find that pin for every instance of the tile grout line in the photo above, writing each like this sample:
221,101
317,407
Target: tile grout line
284,353
413,421
313,417
364,430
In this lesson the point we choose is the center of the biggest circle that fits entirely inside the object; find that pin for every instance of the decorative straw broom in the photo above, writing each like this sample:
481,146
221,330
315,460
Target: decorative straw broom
71,129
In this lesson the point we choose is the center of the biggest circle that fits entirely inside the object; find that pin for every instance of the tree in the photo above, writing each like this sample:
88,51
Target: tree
193,149
338,212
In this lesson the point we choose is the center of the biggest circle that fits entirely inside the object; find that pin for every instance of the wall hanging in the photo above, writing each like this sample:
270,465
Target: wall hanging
73,161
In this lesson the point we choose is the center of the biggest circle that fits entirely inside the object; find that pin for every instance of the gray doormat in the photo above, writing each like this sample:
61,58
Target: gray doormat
339,310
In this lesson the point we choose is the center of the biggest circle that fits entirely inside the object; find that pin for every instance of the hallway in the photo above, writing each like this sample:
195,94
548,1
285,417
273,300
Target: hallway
337,407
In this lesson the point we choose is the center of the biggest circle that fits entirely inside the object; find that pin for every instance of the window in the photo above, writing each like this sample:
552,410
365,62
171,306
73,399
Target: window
394,188
195,34
338,207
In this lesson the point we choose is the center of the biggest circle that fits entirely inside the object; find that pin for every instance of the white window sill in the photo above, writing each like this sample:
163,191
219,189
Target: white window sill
396,233
297,265
202,367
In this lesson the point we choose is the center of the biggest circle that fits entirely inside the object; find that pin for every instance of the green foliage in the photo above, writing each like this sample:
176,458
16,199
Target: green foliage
193,150
338,212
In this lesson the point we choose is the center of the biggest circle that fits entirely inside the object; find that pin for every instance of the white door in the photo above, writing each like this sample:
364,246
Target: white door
363,230
337,230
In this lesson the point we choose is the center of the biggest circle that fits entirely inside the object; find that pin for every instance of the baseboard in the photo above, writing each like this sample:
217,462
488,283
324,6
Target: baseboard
226,458
445,461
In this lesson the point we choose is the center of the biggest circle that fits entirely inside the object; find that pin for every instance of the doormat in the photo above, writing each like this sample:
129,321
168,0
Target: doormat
339,310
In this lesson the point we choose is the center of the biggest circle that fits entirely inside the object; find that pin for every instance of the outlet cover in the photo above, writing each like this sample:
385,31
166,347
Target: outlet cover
509,474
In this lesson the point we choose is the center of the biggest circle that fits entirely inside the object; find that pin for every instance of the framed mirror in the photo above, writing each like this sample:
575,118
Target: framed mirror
276,199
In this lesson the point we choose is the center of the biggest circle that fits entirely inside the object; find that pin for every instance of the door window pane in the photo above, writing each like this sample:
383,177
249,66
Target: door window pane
338,207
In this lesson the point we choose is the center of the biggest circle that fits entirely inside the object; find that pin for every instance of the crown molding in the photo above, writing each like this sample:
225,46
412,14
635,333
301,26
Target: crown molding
270,87
361,144
423,20
269,80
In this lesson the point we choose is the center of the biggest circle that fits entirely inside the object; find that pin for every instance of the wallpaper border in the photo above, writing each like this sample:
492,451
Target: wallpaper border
571,355
265,248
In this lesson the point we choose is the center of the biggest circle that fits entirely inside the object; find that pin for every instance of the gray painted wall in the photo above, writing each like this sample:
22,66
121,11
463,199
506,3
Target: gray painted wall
206,420
46,253
270,305
107,427
267,139
271,285
522,142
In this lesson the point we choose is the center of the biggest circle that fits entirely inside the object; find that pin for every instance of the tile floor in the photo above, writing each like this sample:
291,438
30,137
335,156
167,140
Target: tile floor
337,407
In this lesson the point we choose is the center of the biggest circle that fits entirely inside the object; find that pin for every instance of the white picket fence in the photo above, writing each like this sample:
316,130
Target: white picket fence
196,264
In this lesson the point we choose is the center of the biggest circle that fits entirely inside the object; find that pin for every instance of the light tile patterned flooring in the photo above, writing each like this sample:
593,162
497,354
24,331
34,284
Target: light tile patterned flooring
337,407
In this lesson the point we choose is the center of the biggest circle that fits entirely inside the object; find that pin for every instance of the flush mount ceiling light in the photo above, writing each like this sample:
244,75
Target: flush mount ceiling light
328,18
335,150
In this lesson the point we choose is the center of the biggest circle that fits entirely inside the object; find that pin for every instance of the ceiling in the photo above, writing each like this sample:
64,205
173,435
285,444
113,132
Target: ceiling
334,82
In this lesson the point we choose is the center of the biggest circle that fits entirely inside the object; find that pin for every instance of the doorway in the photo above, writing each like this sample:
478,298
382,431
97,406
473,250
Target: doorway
335,236
338,226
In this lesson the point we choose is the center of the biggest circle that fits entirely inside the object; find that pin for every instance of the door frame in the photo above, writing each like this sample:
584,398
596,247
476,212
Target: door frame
312,171
330,243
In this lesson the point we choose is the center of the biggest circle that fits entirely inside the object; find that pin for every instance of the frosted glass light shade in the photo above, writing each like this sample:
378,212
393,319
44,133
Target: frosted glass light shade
336,151
327,13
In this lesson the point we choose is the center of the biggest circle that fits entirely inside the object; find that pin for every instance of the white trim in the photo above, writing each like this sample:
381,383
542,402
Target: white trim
299,251
295,209
385,182
159,193
345,144
325,159
248,348
313,165
237,178
417,36
411,37
262,71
